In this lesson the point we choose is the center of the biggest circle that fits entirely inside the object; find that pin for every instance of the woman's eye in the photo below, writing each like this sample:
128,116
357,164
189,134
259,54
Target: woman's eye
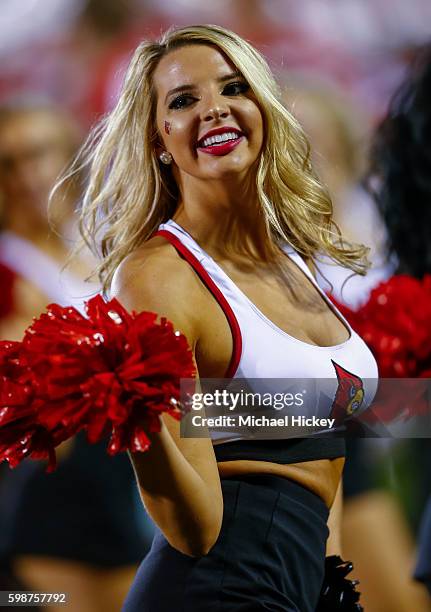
236,88
181,101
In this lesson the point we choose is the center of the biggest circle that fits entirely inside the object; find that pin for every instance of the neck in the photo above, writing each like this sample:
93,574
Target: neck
224,217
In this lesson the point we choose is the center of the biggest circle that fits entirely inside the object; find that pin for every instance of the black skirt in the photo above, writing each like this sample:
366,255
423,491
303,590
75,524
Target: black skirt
84,511
269,555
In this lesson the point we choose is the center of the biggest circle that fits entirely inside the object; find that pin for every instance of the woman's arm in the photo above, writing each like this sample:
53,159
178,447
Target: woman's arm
334,544
177,477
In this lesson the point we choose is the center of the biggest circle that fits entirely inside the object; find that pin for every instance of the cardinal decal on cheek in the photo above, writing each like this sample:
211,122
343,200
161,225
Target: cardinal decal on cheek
349,395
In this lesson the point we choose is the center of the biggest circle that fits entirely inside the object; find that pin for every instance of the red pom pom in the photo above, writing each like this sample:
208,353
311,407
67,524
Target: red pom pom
395,323
111,373
21,433
7,280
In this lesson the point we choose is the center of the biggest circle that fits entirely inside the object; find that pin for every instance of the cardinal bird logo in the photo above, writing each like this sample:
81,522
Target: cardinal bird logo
349,396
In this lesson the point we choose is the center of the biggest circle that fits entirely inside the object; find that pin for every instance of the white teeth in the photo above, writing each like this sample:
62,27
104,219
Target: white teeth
218,138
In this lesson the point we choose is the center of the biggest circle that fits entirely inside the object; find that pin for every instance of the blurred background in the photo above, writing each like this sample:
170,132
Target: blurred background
83,530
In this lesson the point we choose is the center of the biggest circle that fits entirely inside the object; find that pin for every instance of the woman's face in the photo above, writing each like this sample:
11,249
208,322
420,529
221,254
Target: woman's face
207,115
33,151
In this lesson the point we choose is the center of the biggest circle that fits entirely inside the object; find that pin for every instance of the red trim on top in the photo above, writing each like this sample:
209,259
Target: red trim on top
222,301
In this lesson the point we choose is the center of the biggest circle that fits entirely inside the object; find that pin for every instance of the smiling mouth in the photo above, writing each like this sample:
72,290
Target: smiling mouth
218,139
220,144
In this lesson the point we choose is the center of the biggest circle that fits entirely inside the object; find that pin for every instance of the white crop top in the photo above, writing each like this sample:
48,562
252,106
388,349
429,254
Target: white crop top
261,350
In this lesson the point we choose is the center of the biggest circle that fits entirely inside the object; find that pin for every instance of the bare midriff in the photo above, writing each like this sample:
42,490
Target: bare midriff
321,476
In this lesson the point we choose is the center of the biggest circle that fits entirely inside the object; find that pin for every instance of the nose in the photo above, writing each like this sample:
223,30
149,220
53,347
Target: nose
216,108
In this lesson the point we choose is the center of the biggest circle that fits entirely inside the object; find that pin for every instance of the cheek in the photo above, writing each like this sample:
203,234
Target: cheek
259,130
180,141
254,119
259,124
176,130
255,122
181,128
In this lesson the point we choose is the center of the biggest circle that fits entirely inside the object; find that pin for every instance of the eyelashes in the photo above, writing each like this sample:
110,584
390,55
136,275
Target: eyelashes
235,88
231,89
181,101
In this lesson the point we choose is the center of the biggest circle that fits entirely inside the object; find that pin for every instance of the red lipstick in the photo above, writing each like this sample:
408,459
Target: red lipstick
218,146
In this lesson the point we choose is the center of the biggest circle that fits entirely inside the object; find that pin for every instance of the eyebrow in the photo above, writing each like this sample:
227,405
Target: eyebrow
191,87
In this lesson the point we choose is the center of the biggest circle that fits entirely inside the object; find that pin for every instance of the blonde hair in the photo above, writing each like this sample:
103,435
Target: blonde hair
129,194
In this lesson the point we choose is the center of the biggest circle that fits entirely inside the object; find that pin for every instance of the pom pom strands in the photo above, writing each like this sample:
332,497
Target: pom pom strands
110,373
21,434
395,323
338,592
7,281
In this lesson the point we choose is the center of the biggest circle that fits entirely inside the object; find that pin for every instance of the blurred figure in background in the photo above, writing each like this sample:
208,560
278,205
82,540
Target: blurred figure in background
376,534
77,530
340,134
75,50
118,27
400,178
36,140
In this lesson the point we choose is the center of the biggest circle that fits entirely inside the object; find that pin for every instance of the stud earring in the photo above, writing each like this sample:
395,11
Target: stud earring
165,157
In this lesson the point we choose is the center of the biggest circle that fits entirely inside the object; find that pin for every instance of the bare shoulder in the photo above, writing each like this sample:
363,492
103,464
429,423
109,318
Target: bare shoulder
155,261
156,278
